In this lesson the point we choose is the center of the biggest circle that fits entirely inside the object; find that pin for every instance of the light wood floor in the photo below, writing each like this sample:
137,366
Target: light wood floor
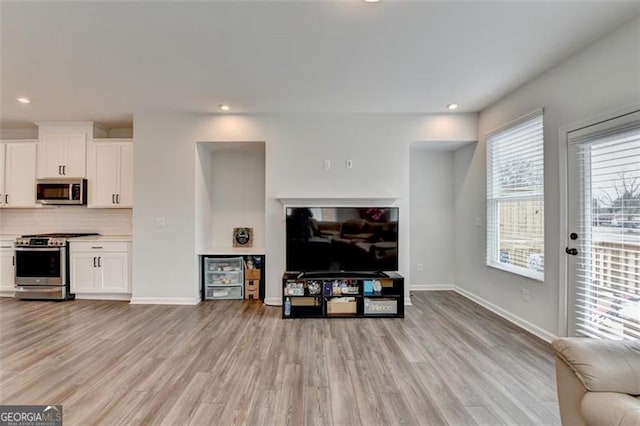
233,362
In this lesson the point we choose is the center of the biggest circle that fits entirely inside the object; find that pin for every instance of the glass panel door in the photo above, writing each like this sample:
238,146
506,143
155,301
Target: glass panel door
604,226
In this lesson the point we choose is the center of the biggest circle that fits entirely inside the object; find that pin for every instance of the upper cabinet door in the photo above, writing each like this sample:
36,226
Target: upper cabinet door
2,169
62,155
75,155
51,155
20,175
110,170
125,198
103,175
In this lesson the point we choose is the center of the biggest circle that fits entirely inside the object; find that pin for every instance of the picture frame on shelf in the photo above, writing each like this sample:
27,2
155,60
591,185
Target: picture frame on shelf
243,237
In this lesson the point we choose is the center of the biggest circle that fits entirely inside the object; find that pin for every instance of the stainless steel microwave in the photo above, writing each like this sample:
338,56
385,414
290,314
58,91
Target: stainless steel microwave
61,191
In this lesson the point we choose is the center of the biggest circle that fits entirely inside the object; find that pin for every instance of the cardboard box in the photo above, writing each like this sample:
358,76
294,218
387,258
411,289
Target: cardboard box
251,285
252,295
252,274
341,307
303,301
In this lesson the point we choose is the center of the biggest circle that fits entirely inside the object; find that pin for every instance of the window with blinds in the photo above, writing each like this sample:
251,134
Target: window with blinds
515,197
607,276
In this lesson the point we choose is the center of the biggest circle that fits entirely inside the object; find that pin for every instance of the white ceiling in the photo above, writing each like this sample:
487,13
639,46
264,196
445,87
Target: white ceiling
104,61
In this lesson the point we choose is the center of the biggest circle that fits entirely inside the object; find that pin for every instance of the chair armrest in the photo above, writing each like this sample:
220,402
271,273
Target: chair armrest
602,365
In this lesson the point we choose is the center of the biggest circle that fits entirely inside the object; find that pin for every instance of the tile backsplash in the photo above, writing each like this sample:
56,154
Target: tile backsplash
65,219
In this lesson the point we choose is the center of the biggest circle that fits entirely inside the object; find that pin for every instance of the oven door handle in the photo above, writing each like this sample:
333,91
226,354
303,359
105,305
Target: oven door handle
38,248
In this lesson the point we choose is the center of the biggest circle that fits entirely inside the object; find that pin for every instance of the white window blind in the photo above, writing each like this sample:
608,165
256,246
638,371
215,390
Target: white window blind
515,197
608,265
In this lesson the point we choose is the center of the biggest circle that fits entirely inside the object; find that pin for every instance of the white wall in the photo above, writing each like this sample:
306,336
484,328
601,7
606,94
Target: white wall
603,77
164,262
236,185
432,212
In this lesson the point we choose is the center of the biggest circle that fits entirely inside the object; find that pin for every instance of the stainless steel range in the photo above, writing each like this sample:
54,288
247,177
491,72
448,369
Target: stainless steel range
42,265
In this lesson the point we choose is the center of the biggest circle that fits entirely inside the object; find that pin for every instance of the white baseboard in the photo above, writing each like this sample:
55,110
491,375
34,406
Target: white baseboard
522,323
165,300
101,296
6,294
431,287
273,301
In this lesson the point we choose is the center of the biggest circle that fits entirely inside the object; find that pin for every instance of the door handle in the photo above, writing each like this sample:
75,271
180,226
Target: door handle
572,251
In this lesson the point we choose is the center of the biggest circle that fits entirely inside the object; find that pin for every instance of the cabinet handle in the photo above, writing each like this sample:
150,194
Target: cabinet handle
117,198
94,261
64,170
13,260
99,262
59,170
6,198
113,198
97,247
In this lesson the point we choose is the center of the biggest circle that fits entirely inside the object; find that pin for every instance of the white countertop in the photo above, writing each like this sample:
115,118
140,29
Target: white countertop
231,251
124,238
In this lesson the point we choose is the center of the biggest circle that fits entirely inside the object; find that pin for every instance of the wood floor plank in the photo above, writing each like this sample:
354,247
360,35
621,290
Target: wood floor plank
449,361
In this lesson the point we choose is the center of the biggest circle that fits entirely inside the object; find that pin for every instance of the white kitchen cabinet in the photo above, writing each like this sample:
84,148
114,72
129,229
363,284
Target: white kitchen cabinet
99,268
111,174
7,267
62,155
18,174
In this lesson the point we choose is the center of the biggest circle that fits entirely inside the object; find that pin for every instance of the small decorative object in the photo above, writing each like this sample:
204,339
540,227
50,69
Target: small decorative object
314,287
377,286
243,237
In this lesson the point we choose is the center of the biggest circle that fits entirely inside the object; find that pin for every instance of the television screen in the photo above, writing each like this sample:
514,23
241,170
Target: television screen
342,239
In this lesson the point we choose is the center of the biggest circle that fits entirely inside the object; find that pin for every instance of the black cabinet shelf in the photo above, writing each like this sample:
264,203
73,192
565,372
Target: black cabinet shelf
346,296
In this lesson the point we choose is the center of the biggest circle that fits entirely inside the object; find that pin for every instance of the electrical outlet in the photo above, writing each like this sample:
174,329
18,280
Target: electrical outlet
159,222
420,267
327,164
526,296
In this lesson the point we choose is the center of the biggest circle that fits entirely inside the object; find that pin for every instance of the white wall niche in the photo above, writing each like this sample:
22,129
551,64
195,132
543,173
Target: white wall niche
230,193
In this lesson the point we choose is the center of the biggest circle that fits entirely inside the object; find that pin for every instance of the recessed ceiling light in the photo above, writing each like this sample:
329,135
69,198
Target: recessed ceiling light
224,107
452,106
372,1
24,100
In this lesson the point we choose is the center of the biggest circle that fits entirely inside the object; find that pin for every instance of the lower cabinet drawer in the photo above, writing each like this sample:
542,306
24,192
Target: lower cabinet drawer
221,293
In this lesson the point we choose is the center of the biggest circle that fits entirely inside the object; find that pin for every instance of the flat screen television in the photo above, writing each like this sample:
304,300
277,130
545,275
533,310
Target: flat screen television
342,239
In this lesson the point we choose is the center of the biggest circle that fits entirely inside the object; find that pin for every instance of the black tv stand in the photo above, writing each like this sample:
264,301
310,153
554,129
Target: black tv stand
342,294
340,274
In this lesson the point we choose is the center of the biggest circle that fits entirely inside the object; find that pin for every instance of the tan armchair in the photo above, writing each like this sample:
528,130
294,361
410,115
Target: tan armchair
598,381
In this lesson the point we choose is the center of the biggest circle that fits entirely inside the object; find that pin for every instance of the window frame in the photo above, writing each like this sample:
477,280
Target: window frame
492,255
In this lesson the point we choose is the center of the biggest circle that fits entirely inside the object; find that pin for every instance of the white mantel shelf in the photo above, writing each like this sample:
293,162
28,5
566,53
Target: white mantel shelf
240,251
338,201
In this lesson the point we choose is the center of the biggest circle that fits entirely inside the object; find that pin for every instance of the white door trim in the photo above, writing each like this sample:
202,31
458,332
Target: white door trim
563,175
